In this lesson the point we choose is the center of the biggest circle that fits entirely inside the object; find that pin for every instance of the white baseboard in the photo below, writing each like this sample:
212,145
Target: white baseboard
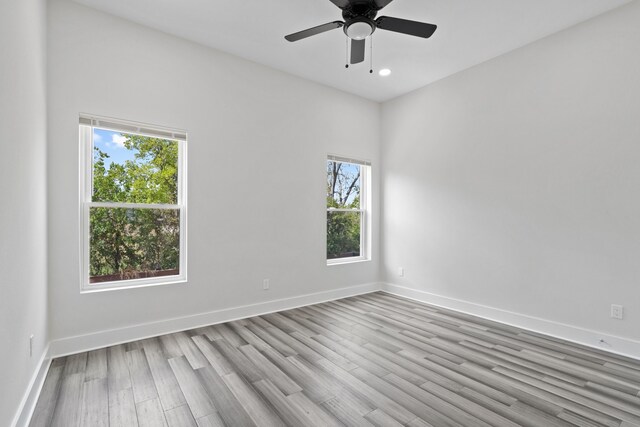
100,339
613,344
30,398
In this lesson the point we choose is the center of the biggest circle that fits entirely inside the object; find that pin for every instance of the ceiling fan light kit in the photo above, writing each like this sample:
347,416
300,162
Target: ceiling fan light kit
360,23
359,29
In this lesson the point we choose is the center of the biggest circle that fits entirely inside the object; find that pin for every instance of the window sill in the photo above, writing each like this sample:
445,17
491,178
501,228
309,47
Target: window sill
343,261
131,284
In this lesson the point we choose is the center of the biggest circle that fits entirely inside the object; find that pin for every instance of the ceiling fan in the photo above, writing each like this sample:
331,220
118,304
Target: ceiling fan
360,22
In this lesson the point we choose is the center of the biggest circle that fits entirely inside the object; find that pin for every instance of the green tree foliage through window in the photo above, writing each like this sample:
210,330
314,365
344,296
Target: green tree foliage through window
343,210
134,242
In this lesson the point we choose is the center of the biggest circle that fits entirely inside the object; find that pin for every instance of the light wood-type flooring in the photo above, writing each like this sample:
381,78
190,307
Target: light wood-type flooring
374,359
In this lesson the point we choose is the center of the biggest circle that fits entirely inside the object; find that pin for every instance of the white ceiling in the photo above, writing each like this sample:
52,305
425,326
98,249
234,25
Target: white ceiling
469,32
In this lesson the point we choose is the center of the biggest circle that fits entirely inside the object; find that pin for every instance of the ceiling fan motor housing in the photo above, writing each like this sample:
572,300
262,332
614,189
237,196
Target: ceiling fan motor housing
360,9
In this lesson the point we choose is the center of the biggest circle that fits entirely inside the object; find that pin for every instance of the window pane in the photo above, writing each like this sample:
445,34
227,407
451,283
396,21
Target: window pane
131,168
133,243
343,234
343,185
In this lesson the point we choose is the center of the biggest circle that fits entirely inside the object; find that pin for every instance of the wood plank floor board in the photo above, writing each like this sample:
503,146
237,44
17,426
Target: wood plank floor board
542,399
291,414
315,327
449,403
256,407
180,416
94,405
510,359
541,418
46,404
118,375
170,346
347,414
506,411
369,360
68,405
323,351
352,356
169,391
212,333
319,313
424,343
412,404
195,395
150,413
368,393
270,339
390,362
190,350
316,413
142,382
76,363
213,356
286,324
96,365
270,371
310,384
241,364
338,328
122,409
245,333
211,420
599,405
297,346
380,418
227,406
575,419
229,335
634,400
453,374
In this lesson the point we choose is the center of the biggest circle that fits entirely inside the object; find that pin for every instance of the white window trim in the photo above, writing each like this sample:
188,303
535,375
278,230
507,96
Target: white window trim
86,125
365,209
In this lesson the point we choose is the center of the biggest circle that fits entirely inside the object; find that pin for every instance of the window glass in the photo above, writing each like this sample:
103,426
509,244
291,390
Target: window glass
133,168
346,211
133,216
128,243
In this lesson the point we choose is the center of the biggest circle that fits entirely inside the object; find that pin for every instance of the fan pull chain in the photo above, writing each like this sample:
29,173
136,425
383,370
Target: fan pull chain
346,59
371,55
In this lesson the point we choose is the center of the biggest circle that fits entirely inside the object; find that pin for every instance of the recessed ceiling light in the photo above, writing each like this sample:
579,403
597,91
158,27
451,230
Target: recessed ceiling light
384,72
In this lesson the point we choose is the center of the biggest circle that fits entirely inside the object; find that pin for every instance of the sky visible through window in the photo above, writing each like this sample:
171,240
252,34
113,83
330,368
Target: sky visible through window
348,171
112,143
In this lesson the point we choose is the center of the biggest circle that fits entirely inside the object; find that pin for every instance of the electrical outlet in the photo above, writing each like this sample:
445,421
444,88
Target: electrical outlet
31,337
617,311
265,284
401,271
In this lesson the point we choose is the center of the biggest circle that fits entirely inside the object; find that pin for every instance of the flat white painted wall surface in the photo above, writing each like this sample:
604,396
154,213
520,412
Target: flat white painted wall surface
23,235
515,184
258,141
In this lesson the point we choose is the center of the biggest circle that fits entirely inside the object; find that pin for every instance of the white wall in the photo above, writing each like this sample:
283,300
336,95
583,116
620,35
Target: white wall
23,240
258,141
515,184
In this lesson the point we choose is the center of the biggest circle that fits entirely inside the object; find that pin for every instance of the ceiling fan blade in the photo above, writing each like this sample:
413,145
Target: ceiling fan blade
404,26
357,51
381,3
313,31
340,3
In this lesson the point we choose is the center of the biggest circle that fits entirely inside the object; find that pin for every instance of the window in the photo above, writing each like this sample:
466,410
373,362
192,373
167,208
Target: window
133,204
348,207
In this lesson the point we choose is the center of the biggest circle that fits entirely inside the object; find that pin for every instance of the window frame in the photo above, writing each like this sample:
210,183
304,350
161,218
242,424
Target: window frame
364,211
85,127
